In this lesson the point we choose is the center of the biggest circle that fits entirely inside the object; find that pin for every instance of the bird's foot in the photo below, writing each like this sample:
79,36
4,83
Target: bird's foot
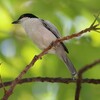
74,76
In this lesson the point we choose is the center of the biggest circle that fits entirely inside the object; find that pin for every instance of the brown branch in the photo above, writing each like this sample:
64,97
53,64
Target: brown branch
51,80
80,73
19,77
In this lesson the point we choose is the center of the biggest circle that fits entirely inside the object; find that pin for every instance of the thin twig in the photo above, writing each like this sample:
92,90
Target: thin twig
19,77
1,82
80,73
96,18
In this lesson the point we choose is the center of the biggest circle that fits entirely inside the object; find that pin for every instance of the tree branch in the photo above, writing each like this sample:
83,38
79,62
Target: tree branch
19,77
51,80
80,80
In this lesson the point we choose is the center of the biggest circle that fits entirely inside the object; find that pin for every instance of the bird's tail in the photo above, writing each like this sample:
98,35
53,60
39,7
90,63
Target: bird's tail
69,65
64,57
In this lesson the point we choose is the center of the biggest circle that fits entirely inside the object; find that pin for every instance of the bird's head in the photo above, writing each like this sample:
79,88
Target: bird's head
24,17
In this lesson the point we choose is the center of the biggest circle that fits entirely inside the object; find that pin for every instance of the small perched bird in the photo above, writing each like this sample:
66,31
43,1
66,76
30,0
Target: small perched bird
43,33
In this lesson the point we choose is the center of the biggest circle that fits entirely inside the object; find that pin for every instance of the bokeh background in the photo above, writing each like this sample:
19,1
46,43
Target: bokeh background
17,50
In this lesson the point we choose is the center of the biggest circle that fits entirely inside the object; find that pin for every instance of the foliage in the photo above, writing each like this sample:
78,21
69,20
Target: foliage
16,50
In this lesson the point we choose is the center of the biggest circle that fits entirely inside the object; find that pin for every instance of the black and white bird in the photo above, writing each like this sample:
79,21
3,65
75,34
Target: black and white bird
43,33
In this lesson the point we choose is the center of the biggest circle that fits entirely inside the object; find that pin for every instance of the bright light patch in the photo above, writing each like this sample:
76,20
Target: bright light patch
8,48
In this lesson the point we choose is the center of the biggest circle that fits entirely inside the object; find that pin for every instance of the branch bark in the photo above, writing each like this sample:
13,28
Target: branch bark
51,80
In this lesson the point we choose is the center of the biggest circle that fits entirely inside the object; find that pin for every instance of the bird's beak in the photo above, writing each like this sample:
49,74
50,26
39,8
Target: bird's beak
15,22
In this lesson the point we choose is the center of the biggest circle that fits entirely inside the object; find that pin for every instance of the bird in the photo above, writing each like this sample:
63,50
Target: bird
43,33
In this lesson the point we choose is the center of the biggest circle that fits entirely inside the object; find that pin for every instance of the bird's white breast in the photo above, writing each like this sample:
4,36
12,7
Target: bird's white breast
41,36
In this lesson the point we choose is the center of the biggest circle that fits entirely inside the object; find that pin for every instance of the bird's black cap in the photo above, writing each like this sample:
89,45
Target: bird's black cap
25,15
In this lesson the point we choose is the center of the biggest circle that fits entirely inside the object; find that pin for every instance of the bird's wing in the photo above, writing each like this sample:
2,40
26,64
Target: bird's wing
54,30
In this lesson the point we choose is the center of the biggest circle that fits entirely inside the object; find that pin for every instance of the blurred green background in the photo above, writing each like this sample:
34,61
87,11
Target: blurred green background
17,50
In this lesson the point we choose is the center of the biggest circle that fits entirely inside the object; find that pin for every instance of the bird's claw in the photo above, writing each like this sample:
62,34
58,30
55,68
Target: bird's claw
74,76
36,56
